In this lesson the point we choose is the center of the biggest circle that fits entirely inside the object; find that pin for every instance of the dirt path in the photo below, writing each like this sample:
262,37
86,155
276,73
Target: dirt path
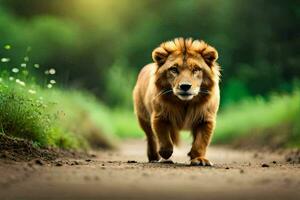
236,175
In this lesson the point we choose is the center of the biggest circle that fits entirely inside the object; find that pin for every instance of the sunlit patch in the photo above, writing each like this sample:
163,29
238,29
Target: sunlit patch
49,86
22,83
11,78
32,91
15,70
7,47
5,60
23,65
26,58
36,66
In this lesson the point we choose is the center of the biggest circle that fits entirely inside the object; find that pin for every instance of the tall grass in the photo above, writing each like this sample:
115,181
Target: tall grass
276,117
47,115
125,123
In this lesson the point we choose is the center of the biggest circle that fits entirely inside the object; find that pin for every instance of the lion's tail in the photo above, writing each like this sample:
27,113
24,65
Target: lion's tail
175,137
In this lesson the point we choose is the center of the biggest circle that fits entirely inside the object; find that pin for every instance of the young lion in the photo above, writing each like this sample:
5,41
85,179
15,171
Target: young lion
180,90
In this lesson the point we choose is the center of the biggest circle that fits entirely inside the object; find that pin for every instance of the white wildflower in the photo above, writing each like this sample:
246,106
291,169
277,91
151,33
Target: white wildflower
49,86
23,65
4,60
22,83
15,70
52,71
11,78
52,81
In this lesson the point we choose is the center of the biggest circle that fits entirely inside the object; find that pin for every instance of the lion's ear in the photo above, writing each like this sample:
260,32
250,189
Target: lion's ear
210,55
160,55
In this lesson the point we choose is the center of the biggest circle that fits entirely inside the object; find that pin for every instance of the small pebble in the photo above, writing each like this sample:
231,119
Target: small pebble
59,164
265,165
39,162
76,162
131,161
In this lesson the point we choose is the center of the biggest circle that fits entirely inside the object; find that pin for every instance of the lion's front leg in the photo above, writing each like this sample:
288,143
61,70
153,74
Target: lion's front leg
202,134
162,129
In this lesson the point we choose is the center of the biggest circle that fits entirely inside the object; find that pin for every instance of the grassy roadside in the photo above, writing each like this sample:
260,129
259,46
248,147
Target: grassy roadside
33,108
73,119
272,122
59,118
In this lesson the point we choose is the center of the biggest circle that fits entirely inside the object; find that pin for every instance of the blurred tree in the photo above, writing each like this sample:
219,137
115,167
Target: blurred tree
97,44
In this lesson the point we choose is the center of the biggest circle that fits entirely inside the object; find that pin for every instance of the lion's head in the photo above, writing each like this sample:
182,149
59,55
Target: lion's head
186,67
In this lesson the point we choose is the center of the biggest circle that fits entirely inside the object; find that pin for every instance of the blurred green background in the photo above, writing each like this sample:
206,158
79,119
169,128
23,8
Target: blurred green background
100,46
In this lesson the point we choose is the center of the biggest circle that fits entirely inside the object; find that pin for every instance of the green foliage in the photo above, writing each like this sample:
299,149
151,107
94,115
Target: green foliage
102,52
96,49
119,85
126,124
49,116
22,115
234,92
81,114
59,118
256,116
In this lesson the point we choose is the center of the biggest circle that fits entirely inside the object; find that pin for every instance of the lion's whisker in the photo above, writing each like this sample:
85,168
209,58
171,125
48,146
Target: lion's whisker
164,92
204,91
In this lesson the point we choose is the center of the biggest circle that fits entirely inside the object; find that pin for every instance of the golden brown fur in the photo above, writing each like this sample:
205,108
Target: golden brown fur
180,90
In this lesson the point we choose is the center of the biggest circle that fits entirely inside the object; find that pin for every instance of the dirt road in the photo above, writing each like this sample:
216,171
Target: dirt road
235,175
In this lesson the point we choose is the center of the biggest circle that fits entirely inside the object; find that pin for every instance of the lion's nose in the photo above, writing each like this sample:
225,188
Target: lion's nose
185,86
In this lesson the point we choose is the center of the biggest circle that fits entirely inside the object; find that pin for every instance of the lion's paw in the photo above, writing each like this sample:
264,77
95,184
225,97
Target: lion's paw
166,153
200,161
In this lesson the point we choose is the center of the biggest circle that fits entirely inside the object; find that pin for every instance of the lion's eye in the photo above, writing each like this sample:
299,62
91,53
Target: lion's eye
174,70
196,70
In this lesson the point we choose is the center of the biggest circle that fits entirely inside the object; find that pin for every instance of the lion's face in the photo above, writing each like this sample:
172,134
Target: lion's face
185,67
185,77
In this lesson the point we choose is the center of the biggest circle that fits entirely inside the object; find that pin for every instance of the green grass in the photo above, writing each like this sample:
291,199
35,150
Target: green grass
33,108
264,119
277,116
126,124
60,118
82,114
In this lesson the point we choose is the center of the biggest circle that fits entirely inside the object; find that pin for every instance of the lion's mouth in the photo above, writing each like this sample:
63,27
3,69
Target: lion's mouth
185,95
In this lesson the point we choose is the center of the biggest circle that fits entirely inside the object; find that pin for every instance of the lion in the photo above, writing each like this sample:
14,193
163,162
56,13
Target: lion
178,91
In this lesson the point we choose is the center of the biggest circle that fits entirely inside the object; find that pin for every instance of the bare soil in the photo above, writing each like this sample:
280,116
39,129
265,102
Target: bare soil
16,149
125,174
